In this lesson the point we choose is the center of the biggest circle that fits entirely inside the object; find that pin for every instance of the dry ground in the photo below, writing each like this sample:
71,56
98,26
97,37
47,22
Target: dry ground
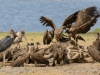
68,69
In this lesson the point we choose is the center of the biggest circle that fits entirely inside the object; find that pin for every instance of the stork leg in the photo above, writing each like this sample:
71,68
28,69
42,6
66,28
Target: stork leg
18,45
4,59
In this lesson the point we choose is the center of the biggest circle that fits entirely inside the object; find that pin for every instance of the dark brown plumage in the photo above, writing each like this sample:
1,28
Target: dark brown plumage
48,22
59,53
79,22
48,36
96,44
94,53
86,18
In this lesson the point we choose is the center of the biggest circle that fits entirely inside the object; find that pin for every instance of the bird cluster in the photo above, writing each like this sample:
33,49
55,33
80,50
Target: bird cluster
64,50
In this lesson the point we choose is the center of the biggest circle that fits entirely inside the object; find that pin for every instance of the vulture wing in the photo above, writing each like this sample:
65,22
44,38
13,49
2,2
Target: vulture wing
86,26
94,53
20,60
69,20
47,22
85,19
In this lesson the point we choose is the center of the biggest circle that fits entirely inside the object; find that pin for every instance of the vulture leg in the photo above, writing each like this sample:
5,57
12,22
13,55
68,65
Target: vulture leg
54,58
78,37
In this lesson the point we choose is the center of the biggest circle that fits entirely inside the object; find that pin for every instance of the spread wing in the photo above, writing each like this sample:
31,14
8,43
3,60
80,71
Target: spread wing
85,20
48,22
86,27
69,20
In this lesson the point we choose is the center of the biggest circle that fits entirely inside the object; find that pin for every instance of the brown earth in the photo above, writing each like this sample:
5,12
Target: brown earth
68,69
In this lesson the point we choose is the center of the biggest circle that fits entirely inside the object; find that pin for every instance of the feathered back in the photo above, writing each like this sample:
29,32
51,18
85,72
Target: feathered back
94,53
85,19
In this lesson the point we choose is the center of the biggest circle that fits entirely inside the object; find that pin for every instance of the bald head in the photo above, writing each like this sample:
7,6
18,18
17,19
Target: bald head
22,31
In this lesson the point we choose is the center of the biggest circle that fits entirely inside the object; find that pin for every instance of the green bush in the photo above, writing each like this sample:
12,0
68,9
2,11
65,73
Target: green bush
96,30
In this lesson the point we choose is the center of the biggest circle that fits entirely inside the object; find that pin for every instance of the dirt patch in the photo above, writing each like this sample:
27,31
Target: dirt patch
68,69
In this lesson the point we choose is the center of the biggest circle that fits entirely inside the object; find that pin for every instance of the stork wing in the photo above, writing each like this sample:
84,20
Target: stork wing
47,22
69,20
6,43
85,19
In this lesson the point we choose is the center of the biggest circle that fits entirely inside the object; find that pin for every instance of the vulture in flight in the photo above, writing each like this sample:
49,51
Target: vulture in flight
79,22
48,36
86,18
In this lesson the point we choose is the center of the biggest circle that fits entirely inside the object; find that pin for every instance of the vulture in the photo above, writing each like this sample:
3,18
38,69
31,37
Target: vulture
48,36
94,53
86,18
78,22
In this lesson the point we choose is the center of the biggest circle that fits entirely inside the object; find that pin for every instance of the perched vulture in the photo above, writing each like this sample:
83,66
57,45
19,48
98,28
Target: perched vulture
48,36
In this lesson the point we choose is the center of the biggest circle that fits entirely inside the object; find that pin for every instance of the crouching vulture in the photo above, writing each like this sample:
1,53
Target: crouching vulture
6,42
94,53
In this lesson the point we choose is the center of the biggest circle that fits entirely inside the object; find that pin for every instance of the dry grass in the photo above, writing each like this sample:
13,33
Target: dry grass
38,37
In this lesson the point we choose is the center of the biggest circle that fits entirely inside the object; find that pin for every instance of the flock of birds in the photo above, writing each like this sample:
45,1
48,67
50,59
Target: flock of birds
77,23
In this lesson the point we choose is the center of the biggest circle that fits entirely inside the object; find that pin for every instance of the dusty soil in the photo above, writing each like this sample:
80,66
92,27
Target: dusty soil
68,69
